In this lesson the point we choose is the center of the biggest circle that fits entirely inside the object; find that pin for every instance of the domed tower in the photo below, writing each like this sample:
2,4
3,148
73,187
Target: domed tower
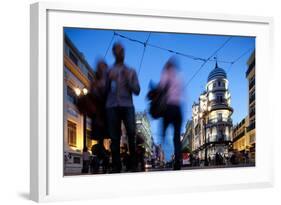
218,122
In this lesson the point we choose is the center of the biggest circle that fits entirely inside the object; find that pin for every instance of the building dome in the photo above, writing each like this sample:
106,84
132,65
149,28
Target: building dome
217,73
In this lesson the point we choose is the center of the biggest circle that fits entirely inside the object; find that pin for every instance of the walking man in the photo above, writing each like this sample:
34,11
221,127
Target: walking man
122,84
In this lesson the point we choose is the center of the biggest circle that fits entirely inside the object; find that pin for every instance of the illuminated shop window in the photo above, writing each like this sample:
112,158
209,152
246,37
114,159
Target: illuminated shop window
71,133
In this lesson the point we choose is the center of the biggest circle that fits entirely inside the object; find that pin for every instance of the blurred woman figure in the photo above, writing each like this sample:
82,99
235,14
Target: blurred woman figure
99,122
172,83
99,95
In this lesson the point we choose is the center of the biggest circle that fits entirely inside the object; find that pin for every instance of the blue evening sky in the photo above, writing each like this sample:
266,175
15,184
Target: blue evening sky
94,44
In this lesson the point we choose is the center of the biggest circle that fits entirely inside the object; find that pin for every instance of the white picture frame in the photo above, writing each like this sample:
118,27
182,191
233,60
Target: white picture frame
47,182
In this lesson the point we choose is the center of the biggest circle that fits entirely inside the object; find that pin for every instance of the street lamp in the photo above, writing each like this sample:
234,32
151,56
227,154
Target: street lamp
203,117
77,91
85,91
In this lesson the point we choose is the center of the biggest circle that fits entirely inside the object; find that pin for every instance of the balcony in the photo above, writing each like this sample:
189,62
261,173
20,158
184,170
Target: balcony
252,98
219,88
252,113
239,135
220,106
216,102
252,84
221,121
251,67
219,139
251,127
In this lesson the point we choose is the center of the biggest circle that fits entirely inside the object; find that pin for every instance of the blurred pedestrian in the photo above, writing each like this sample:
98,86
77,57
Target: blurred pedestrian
122,84
100,158
171,81
217,158
140,157
99,123
246,156
209,160
99,95
233,158
86,160
125,157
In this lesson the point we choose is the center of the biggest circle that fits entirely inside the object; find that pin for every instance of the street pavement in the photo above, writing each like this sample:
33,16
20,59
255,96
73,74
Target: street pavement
171,169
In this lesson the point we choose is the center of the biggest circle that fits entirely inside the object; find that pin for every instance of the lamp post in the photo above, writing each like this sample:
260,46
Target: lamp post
81,94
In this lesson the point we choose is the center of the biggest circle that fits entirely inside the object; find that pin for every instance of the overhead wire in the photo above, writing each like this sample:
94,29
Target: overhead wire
144,48
196,58
238,58
113,36
165,49
204,63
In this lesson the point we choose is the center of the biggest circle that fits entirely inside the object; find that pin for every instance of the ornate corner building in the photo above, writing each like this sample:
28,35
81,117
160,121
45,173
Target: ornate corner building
211,118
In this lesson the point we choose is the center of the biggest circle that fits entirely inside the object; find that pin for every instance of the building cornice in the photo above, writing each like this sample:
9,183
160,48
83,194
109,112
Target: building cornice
76,71
78,53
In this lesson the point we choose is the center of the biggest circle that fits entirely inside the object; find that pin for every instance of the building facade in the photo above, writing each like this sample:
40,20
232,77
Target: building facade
211,118
244,133
240,135
78,75
160,156
186,140
251,129
144,134
242,141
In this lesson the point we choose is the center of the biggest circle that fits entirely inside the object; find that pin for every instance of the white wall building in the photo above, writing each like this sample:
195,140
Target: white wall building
77,75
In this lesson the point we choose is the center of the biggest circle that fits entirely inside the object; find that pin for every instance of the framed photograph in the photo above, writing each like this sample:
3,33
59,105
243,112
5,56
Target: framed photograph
132,102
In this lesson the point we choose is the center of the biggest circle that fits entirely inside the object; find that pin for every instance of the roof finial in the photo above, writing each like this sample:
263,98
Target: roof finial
216,62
